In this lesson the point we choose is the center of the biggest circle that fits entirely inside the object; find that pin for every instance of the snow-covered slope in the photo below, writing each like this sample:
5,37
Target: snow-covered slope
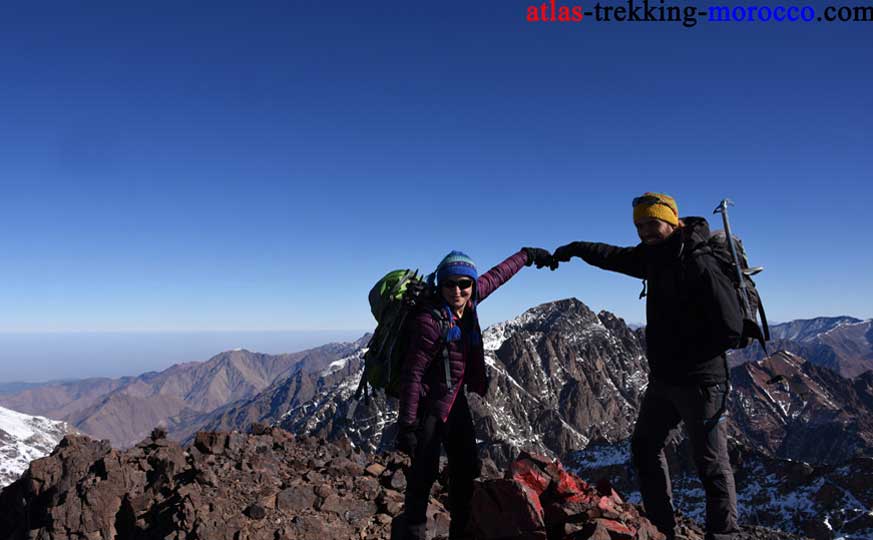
24,438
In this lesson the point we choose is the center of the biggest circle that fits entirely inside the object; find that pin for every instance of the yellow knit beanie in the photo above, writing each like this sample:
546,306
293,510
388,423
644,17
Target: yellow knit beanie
658,206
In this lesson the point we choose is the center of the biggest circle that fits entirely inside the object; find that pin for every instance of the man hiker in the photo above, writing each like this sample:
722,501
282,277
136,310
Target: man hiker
693,316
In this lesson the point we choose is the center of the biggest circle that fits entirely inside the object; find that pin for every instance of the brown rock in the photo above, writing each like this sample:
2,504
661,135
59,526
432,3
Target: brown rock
343,467
313,477
390,502
375,469
305,527
367,486
324,491
255,511
296,499
352,510
206,477
210,442
235,444
647,531
259,428
227,487
398,480
507,508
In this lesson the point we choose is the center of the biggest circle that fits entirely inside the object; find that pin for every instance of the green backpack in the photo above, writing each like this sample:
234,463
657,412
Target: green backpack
392,301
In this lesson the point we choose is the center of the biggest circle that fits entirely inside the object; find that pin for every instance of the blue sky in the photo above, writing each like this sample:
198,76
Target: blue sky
230,166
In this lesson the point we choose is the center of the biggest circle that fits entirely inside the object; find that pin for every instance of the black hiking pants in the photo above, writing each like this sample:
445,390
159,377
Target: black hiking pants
457,437
701,409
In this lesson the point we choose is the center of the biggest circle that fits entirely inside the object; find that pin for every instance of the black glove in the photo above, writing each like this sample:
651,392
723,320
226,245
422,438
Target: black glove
406,440
538,256
563,254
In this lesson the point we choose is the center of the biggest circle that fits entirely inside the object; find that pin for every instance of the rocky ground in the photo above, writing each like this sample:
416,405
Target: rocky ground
268,484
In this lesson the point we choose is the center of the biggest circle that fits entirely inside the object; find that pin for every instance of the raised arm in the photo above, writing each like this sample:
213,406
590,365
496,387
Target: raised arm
626,260
500,274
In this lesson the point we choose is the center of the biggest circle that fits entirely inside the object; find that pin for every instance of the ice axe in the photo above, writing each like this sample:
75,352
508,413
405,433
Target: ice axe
722,209
750,327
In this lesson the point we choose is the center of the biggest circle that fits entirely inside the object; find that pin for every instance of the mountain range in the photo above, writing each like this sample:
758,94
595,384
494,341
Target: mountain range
842,344
125,410
564,381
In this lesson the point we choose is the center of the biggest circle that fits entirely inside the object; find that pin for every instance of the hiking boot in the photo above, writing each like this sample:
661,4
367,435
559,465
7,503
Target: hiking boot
400,530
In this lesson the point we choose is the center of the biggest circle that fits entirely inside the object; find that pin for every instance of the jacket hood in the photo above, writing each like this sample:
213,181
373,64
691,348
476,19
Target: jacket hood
696,231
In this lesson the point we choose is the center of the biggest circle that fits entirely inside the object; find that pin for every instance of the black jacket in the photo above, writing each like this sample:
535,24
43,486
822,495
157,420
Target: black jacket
692,310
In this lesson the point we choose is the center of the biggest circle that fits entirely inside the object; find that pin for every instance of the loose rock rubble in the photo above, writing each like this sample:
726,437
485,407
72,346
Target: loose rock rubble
539,500
271,485
263,485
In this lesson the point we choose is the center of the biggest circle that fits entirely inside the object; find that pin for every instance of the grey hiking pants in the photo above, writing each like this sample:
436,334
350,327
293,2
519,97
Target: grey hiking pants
663,407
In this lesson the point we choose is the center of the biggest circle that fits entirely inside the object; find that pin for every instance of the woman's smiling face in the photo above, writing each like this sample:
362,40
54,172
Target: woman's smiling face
456,291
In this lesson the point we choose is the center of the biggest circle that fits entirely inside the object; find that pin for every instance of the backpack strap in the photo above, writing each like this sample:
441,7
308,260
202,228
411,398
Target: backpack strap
443,320
764,324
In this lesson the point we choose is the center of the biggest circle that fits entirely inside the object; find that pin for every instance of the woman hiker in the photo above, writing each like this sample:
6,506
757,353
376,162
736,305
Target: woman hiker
445,354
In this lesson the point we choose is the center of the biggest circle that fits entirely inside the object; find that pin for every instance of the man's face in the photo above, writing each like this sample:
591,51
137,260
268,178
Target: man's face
653,231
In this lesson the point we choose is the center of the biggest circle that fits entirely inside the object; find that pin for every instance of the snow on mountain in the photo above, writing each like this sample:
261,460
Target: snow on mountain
560,376
841,344
24,438
805,330
821,502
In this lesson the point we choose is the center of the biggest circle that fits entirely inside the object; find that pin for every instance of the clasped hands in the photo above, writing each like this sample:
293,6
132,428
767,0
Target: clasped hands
542,258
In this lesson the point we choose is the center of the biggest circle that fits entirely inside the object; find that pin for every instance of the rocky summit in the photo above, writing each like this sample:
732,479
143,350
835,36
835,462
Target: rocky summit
269,484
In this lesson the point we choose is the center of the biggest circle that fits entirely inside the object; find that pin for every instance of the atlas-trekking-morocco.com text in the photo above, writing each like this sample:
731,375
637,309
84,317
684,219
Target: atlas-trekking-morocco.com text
689,15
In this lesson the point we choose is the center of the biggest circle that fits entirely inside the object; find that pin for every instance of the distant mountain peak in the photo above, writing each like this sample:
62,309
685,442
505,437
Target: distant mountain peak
24,438
542,318
805,330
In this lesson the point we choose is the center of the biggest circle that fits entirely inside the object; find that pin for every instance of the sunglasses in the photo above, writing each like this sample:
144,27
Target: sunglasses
648,199
462,284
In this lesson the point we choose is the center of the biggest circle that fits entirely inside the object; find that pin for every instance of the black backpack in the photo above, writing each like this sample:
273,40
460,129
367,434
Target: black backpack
750,302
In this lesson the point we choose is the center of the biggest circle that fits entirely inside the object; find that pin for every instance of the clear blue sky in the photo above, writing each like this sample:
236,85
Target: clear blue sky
249,166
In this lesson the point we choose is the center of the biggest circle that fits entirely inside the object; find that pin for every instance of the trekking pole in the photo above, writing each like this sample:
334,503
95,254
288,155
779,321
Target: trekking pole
722,209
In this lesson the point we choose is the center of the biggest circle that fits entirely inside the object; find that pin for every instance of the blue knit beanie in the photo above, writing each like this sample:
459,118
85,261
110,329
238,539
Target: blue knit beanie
456,263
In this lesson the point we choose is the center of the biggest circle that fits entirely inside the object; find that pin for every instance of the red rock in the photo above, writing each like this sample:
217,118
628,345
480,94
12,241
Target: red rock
607,510
605,489
527,472
507,509
617,531
565,484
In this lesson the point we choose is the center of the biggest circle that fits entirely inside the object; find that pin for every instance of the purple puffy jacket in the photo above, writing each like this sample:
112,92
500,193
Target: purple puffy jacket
422,381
